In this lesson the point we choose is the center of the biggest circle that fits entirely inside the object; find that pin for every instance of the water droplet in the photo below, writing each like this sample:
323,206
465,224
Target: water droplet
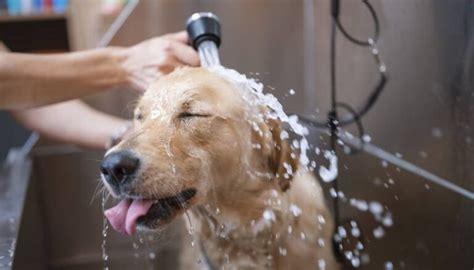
365,258
295,144
341,232
355,262
322,264
282,251
256,146
329,174
388,265
295,210
292,92
379,232
321,219
341,195
359,204
348,254
321,242
269,215
302,236
355,232
366,138
375,208
190,224
423,154
387,221
436,132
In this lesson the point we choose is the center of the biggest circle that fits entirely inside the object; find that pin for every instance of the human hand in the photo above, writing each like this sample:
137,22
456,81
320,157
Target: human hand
119,135
158,56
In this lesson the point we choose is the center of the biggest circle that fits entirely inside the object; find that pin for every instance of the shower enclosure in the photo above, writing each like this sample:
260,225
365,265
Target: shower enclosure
425,115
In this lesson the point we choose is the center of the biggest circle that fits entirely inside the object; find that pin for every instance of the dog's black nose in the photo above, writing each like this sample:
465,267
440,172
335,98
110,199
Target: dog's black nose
118,166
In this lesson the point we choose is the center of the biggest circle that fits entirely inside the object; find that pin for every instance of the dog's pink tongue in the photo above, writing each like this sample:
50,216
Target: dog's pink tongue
123,217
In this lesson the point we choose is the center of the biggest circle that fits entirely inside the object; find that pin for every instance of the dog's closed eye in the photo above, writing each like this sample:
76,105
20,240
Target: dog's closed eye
185,115
138,116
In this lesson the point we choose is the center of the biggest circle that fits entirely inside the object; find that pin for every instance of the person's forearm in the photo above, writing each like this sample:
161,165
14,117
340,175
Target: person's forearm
72,122
28,80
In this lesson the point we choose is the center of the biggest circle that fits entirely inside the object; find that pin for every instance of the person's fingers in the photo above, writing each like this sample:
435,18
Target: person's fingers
171,64
186,54
138,84
181,36
154,70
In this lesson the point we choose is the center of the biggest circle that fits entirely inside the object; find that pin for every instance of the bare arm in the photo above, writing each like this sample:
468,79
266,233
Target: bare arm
29,80
72,122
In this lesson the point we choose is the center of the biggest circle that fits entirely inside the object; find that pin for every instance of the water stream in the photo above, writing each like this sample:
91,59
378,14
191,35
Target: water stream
105,227
208,54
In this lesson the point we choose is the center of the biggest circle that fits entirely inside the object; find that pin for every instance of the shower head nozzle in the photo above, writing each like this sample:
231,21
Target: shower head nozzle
203,26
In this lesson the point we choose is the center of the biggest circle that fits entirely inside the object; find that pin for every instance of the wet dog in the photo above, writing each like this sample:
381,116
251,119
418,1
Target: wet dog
198,147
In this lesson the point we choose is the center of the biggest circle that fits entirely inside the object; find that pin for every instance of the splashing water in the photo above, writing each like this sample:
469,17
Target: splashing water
252,93
329,174
254,97
105,227
190,228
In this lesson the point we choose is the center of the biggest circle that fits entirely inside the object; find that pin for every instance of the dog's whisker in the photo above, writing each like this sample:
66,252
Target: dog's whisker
93,159
100,188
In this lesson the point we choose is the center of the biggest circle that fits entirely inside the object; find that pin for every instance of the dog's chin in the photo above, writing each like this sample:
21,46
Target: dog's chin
165,210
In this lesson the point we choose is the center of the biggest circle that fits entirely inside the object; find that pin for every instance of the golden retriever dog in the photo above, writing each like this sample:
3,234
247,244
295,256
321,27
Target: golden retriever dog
199,148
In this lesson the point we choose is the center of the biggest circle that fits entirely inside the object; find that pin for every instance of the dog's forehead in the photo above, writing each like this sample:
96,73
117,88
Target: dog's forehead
189,86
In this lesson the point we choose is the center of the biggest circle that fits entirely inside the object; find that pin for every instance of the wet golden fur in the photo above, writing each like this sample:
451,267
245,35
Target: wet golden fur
192,129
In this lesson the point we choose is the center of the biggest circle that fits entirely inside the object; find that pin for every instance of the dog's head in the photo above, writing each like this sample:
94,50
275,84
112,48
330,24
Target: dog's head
195,139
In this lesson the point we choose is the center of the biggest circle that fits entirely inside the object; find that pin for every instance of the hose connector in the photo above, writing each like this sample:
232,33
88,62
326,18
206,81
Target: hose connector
203,26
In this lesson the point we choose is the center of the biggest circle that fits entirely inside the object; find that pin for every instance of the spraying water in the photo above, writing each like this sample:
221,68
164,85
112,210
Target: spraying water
204,32
253,94
208,54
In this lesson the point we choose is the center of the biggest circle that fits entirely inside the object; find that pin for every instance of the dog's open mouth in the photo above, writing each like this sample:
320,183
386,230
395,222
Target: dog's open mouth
126,215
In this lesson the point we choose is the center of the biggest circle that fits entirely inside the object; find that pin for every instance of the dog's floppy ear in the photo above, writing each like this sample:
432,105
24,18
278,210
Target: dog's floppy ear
282,161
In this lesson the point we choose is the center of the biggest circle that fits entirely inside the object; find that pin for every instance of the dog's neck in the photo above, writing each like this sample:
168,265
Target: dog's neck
239,226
